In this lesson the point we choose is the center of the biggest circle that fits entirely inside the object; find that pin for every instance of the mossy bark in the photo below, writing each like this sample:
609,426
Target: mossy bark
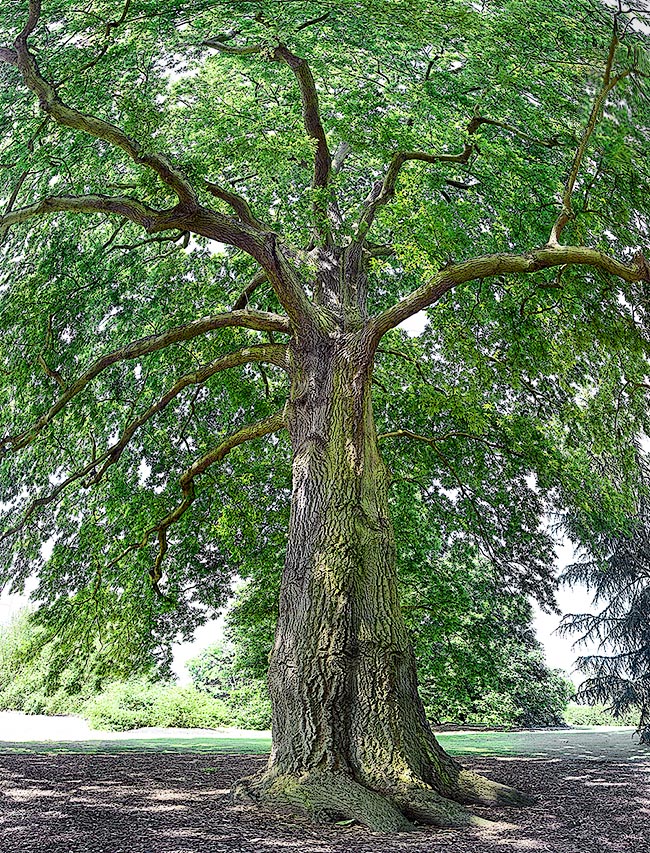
350,737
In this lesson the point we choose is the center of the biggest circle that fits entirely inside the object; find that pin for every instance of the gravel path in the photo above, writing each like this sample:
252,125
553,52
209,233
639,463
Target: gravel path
16,727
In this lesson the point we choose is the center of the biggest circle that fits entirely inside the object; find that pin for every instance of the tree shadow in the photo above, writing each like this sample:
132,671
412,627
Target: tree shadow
171,803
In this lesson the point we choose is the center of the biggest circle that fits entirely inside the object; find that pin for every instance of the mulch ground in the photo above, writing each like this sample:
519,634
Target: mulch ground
162,803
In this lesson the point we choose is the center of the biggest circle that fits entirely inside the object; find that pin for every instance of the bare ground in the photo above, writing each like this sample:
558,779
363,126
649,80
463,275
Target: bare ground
180,803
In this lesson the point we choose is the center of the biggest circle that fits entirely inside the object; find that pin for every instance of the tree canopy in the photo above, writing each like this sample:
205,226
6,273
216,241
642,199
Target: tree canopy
112,377
217,216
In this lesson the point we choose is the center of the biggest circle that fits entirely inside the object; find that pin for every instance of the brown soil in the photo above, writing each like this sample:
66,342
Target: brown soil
166,803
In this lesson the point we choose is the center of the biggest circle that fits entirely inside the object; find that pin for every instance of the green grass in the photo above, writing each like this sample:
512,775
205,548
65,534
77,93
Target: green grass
232,745
533,744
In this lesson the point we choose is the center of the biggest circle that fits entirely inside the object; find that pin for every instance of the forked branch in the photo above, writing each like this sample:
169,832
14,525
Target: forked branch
237,202
310,114
384,191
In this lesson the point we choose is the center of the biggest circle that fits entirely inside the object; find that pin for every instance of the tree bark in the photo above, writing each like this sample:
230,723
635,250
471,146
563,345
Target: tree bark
350,737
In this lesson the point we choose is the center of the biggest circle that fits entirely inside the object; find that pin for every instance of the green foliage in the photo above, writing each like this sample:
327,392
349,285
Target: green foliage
597,715
51,663
226,674
529,389
515,377
139,703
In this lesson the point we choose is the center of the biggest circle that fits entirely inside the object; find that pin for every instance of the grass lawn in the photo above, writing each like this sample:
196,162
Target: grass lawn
579,742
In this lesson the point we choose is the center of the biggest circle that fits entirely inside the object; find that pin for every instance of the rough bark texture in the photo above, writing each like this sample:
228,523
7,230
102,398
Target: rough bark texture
342,665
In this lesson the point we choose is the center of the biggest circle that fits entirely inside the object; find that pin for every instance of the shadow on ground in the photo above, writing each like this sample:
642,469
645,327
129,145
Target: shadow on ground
171,803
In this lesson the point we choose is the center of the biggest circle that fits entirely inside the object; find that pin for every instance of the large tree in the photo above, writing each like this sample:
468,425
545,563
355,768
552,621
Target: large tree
361,162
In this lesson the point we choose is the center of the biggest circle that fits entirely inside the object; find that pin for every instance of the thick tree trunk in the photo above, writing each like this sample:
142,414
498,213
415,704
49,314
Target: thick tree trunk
350,738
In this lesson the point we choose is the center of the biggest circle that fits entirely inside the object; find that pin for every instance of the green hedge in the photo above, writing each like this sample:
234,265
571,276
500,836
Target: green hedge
136,704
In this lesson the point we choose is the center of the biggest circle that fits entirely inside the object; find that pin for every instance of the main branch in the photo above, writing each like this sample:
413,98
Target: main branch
129,208
311,119
501,264
66,116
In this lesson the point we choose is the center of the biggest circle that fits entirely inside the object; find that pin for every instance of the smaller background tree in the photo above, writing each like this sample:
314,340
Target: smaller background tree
618,574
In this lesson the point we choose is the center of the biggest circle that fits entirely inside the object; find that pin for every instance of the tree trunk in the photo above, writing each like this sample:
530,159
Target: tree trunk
350,737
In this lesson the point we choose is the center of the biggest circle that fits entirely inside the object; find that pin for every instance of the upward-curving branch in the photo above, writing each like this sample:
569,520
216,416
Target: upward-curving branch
501,264
610,80
311,119
96,469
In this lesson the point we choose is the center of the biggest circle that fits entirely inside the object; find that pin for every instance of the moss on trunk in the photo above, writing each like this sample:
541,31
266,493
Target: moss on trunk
350,737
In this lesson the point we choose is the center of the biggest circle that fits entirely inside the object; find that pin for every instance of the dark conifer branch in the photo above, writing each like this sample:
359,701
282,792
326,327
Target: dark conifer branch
269,353
502,264
153,343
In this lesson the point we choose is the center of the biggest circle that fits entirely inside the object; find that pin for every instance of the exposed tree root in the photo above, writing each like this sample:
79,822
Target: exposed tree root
333,796
325,796
473,788
424,805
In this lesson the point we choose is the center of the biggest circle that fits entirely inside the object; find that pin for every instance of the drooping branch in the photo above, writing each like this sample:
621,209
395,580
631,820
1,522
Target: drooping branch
609,82
248,433
269,353
502,264
243,319
438,439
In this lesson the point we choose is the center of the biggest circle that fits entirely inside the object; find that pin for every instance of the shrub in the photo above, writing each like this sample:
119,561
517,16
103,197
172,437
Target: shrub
219,672
597,715
138,703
